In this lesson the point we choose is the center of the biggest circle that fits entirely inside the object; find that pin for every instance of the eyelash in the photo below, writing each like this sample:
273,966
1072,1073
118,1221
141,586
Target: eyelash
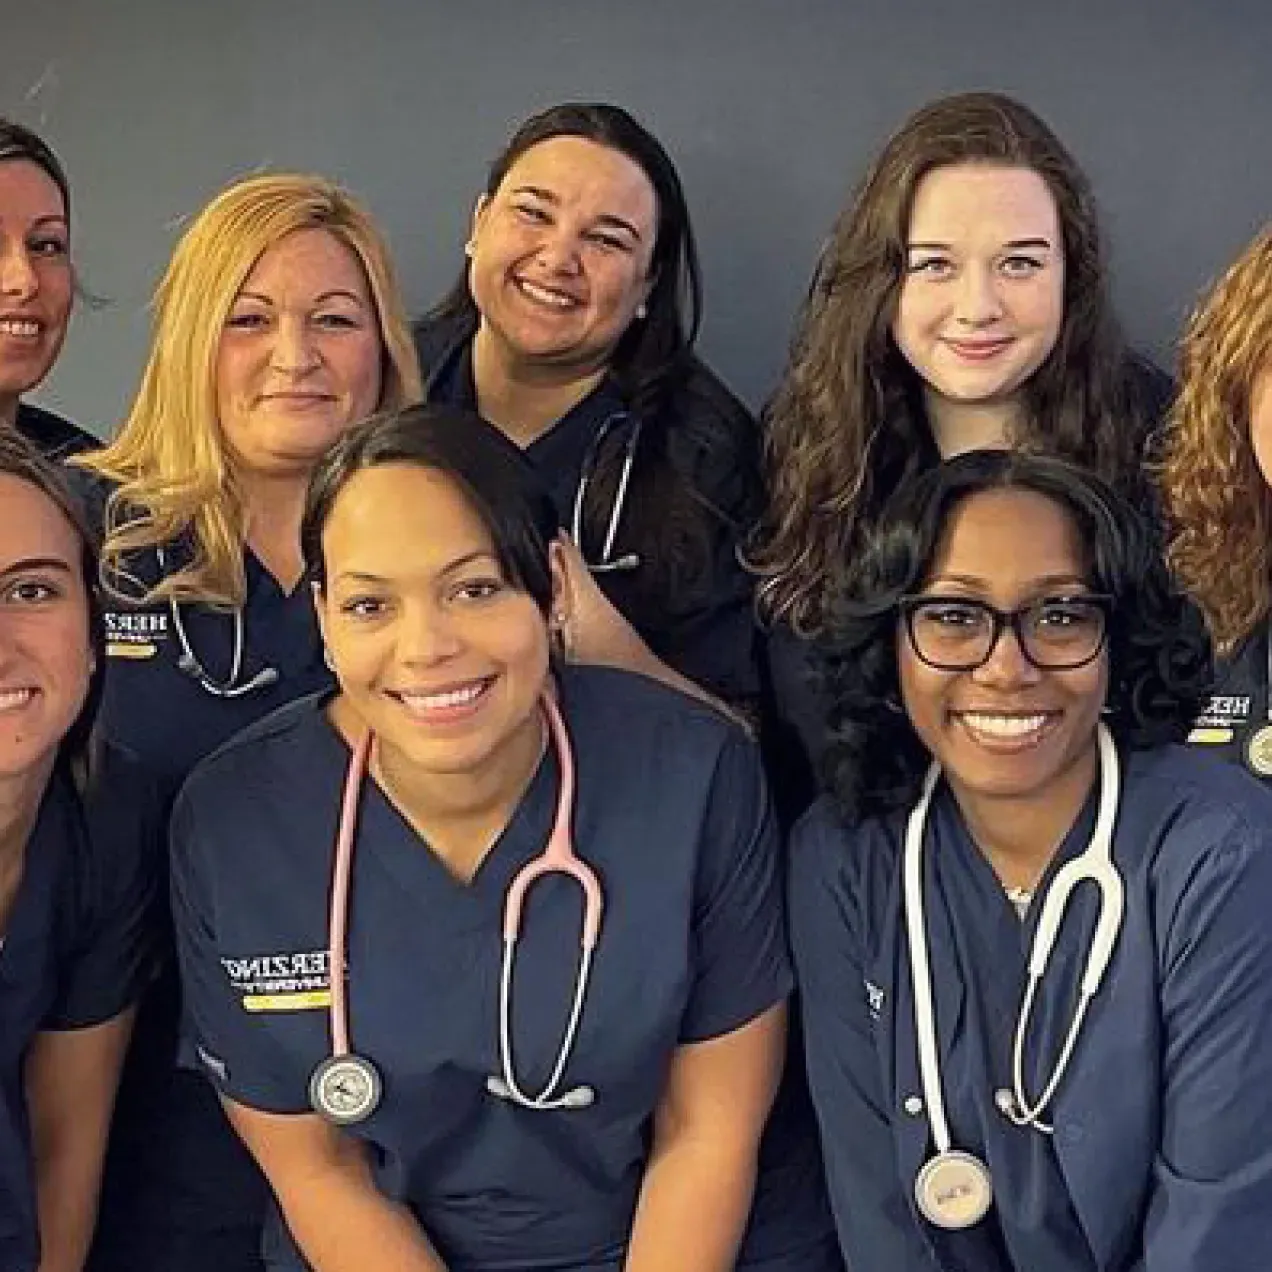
325,322
538,216
50,247
1014,266
48,592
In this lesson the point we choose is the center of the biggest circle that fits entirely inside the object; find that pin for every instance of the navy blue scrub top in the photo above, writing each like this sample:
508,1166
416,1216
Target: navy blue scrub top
671,812
177,1180
1161,1156
715,645
78,950
1239,705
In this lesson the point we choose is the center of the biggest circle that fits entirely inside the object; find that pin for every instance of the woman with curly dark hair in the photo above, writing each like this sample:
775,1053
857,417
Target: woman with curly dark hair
960,302
1031,935
1216,484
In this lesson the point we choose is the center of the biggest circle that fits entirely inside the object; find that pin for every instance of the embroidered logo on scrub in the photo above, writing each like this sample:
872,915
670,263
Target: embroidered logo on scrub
281,982
135,633
1218,723
874,999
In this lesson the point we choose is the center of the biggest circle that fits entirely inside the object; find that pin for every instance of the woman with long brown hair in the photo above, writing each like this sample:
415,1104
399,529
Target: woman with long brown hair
960,303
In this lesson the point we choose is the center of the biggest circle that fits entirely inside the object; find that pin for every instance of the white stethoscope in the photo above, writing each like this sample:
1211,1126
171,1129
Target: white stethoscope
190,664
607,563
345,1088
953,1188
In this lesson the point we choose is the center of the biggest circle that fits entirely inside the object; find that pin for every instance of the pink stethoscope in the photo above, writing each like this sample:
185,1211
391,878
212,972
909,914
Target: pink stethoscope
345,1088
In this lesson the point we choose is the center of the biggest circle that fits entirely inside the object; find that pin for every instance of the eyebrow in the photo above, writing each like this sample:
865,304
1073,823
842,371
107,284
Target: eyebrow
469,558
335,293
1013,245
605,218
1032,585
25,564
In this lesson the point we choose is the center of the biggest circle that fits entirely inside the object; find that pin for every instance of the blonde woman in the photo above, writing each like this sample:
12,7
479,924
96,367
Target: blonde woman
278,324
1216,483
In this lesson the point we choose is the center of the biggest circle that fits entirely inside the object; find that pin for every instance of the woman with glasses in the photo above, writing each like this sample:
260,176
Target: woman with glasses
1031,936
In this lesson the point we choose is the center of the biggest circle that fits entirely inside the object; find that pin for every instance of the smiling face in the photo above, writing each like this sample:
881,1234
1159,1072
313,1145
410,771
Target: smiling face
1007,729
46,658
300,356
560,254
983,296
36,280
436,651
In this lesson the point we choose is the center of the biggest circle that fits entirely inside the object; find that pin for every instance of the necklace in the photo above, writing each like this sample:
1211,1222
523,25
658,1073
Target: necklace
1020,898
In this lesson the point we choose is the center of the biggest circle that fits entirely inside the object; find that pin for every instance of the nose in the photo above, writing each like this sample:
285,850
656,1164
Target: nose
558,250
18,278
978,302
427,635
1006,667
294,350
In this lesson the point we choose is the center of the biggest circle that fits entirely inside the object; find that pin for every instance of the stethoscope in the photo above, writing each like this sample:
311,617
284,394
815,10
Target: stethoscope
608,563
953,1188
1258,747
346,1088
189,663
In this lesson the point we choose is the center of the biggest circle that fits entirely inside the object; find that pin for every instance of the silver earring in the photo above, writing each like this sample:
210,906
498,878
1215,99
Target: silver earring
641,312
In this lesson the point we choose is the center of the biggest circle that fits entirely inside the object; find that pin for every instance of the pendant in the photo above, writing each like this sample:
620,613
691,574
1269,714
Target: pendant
345,1089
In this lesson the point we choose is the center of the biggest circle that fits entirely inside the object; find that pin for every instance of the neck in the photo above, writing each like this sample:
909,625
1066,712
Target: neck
1020,835
20,798
8,411
958,426
272,508
461,815
522,398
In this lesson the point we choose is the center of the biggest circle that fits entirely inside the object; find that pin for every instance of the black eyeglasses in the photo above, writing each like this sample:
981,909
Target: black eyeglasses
959,633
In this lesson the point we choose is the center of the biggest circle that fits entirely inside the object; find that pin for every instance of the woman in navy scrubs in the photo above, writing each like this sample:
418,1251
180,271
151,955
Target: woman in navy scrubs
278,324
572,329
1031,937
493,1105
81,831
1216,481
37,285
960,302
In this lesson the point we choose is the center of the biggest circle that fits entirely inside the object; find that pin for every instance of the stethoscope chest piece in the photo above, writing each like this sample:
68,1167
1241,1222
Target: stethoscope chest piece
345,1089
953,1190
1258,751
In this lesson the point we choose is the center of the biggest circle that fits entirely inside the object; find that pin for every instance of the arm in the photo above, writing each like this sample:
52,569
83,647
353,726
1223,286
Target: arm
339,1218
597,633
71,1076
872,1211
696,1193
1210,1203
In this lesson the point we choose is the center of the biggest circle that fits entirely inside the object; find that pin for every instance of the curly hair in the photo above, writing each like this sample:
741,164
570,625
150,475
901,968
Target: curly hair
847,425
1218,504
1158,651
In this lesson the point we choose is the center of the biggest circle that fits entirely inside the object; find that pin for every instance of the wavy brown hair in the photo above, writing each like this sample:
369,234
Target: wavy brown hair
1217,502
847,424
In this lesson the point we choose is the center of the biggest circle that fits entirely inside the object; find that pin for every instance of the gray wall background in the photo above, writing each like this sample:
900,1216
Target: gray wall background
771,108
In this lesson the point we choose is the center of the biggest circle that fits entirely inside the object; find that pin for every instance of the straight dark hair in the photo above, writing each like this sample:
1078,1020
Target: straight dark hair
17,142
500,484
1158,650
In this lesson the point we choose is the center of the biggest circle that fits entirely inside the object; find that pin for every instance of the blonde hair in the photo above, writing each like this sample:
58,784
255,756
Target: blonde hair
169,462
1217,502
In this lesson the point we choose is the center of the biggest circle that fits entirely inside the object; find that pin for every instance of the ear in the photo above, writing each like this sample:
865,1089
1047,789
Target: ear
479,215
562,599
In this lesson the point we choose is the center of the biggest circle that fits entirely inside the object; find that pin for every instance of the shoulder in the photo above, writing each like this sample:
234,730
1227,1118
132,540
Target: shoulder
437,335
258,758
716,440
1194,813
856,861
56,436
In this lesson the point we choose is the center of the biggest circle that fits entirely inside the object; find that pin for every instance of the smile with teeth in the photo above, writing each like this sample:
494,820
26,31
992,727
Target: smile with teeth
20,328
448,699
995,725
13,699
546,295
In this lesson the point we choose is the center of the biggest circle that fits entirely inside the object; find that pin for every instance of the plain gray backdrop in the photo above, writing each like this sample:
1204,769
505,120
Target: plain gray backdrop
770,107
